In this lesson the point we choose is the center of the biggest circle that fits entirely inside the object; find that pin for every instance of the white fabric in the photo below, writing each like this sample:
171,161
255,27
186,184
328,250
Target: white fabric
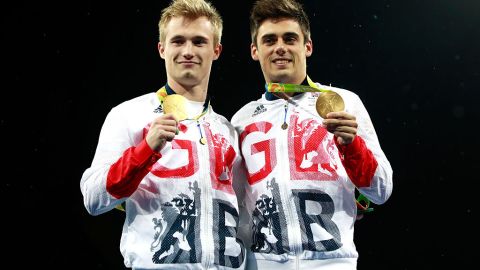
194,108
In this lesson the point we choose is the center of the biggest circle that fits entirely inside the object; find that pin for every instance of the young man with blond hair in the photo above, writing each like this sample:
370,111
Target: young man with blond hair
172,170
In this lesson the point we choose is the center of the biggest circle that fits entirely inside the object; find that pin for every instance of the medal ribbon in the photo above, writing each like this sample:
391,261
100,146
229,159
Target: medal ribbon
295,88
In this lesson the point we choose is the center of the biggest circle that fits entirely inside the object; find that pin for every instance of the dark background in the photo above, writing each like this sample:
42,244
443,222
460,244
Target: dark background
415,64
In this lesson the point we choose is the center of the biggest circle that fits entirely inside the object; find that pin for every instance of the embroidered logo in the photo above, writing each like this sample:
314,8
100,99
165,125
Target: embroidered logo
158,109
177,228
312,98
260,109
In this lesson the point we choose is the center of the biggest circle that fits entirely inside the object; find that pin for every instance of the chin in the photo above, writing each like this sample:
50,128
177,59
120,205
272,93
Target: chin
190,79
188,75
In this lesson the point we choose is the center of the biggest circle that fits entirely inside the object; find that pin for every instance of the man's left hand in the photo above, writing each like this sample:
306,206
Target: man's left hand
343,125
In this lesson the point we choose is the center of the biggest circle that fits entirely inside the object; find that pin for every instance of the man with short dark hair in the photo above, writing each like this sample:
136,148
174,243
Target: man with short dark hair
307,148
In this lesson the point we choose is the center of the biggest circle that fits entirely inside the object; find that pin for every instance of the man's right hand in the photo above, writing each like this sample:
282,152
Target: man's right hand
162,129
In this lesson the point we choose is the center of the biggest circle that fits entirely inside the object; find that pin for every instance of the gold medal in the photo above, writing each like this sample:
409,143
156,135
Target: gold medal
203,141
329,102
284,126
175,104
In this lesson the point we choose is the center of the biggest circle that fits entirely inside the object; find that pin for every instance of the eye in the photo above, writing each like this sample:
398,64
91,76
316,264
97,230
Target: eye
178,41
290,39
200,41
269,40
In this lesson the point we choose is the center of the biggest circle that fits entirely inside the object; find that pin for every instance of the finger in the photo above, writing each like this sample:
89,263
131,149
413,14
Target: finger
346,129
168,122
165,135
168,135
340,122
169,128
169,116
163,123
344,138
341,115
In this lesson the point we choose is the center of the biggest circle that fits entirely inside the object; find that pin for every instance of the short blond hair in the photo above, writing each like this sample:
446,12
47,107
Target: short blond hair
191,9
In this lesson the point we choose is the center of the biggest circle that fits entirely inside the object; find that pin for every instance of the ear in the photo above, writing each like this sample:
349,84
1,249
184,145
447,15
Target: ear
308,48
254,51
217,50
161,50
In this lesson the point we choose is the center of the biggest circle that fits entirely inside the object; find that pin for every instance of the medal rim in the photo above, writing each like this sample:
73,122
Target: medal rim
339,104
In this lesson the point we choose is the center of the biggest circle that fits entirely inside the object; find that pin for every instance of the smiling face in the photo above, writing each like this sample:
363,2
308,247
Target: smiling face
188,51
282,51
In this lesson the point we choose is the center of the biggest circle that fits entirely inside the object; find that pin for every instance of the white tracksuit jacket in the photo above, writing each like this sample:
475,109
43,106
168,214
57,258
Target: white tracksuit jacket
300,189
181,209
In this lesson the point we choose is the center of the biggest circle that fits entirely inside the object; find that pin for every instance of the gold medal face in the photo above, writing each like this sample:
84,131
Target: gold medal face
175,104
329,102
203,141
284,126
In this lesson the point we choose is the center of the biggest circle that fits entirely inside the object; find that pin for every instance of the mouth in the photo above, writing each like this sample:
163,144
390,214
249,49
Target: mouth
188,63
281,61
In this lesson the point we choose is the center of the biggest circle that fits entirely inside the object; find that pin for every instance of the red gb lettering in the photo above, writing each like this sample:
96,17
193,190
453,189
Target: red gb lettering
189,169
267,147
312,152
222,156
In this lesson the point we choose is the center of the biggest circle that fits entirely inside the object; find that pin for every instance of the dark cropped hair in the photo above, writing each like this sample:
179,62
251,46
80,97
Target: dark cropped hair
278,9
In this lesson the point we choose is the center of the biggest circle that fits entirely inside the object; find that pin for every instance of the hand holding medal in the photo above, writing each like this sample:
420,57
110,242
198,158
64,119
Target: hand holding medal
175,104
342,124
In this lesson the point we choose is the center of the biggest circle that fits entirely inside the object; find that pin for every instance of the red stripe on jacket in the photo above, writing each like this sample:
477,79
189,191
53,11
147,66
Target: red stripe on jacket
358,161
126,174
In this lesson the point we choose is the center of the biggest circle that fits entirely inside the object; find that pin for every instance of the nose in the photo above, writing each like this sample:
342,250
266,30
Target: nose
188,50
280,48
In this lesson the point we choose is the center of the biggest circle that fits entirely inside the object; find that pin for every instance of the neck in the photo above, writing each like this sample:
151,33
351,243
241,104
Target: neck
191,92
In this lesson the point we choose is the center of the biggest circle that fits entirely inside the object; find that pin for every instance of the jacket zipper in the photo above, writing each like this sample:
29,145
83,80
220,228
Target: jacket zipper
286,194
208,245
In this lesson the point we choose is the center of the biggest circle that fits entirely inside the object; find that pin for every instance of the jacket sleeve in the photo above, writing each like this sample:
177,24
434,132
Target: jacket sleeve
366,164
119,165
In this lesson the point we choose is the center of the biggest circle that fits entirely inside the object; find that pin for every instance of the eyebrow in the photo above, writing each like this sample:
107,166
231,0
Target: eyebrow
291,34
183,37
268,36
287,34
